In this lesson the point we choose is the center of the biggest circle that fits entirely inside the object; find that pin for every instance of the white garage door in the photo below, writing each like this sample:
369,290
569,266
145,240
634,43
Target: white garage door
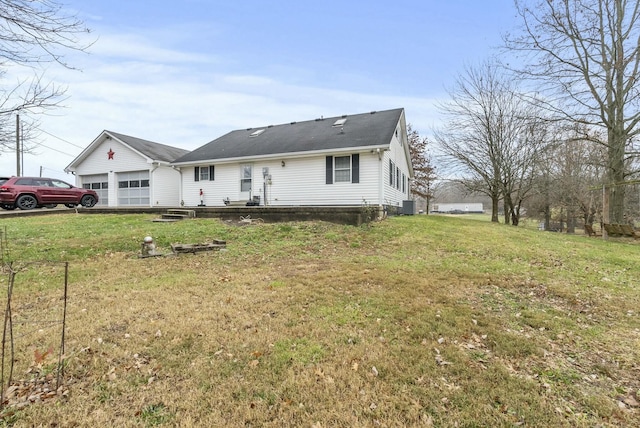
133,188
100,184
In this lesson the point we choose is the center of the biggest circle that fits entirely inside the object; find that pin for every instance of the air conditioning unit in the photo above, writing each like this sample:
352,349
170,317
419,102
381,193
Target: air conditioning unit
408,207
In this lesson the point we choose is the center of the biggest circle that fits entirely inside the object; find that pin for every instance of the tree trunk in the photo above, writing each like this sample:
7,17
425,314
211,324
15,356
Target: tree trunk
506,208
616,171
547,217
495,201
571,221
515,215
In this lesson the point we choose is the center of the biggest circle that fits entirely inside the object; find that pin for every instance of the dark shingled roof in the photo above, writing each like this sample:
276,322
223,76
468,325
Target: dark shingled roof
154,151
359,130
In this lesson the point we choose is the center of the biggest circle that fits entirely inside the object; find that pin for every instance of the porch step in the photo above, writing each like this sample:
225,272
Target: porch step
178,211
176,215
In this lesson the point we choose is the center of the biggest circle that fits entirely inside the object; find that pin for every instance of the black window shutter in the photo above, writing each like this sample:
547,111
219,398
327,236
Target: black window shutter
329,169
355,168
211,173
196,175
391,172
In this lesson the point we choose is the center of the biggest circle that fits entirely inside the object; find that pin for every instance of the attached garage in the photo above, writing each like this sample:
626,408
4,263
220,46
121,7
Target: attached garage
127,171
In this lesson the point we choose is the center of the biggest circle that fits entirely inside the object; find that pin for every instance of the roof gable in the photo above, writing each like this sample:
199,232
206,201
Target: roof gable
336,133
153,152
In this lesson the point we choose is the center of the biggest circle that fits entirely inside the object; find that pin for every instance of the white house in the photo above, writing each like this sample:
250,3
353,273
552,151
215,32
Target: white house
345,160
127,171
458,208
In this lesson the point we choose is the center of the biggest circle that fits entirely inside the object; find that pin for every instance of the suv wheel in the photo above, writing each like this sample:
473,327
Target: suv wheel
27,202
88,201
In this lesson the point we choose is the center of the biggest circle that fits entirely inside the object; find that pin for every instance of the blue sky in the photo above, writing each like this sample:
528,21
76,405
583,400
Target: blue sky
186,72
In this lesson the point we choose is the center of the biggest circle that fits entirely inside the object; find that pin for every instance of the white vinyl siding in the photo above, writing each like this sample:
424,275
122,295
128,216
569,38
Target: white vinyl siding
396,172
302,181
161,188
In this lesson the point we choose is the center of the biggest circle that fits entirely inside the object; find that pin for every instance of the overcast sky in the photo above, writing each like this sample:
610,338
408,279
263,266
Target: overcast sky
186,72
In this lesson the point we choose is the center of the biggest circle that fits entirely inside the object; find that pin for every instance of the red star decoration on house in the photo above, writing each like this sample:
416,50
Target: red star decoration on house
110,153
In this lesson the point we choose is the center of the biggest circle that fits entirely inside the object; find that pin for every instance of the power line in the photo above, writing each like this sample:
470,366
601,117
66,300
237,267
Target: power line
61,139
55,150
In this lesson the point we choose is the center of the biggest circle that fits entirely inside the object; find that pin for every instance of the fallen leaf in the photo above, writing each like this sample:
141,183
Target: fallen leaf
40,357
440,361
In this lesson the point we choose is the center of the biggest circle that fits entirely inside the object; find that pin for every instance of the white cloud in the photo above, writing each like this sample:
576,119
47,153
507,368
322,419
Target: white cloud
131,85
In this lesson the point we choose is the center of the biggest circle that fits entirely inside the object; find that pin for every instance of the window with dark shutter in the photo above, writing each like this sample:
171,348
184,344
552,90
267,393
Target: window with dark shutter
392,172
211,173
196,175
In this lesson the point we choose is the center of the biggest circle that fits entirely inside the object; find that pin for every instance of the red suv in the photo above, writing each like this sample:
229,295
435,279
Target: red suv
28,193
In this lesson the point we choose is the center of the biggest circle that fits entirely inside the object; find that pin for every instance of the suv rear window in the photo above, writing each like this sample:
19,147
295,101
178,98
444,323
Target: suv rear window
24,182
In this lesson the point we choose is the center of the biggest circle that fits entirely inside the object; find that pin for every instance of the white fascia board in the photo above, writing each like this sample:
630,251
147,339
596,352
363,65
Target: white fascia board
278,156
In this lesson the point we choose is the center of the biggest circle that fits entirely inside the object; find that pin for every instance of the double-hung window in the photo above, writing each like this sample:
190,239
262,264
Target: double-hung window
204,173
343,169
245,181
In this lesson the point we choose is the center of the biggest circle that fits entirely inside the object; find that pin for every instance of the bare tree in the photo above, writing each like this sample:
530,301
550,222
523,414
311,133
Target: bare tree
527,142
491,138
569,177
33,34
584,57
423,169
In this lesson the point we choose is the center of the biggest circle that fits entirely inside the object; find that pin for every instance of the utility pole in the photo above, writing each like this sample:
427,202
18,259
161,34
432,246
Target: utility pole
22,148
18,162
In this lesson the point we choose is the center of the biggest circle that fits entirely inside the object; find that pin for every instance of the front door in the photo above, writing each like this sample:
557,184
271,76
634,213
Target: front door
246,182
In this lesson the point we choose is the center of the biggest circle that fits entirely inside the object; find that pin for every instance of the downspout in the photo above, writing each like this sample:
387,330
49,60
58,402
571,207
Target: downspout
177,168
152,182
380,179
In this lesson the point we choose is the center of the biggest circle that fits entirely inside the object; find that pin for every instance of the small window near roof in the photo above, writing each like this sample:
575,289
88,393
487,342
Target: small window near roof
339,122
256,133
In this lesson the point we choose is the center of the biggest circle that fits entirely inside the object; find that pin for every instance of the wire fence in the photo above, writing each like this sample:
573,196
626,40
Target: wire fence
33,335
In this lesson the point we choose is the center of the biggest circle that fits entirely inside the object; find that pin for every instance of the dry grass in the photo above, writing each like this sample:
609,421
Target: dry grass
416,321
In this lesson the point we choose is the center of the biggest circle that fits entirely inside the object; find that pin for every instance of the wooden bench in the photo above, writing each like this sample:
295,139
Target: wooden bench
628,230
612,229
621,230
